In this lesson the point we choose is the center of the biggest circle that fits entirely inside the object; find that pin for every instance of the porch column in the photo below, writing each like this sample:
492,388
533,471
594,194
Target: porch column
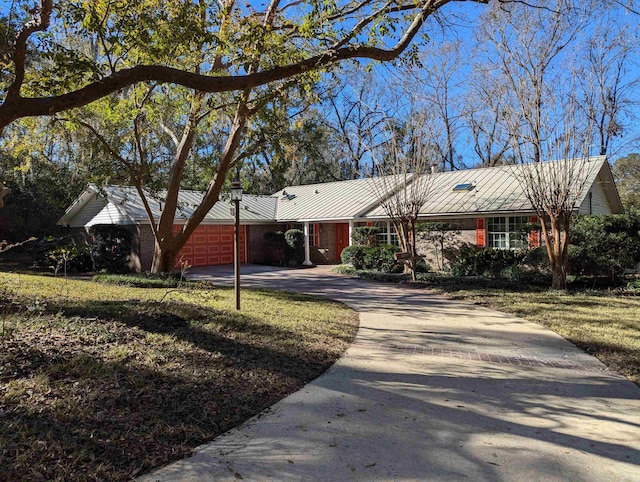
307,256
351,232
389,227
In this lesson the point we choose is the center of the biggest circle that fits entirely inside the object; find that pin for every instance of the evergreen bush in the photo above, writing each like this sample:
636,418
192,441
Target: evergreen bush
605,244
111,247
294,248
365,235
487,262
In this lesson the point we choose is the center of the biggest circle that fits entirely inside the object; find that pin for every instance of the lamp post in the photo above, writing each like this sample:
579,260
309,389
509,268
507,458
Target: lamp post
236,197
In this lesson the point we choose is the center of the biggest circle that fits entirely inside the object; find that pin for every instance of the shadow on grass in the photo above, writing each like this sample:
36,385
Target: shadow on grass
169,377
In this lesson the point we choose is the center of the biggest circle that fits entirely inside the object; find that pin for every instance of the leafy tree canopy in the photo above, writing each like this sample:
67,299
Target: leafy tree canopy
61,55
626,171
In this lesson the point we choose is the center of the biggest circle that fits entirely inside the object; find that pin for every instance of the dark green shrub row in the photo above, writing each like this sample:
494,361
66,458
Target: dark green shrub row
487,262
372,274
605,245
290,243
110,247
378,258
65,254
107,248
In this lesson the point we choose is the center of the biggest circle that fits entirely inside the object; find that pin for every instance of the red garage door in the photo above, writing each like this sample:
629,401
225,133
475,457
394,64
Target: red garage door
211,245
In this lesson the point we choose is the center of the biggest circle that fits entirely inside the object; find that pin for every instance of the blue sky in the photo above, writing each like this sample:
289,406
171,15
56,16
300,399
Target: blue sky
463,16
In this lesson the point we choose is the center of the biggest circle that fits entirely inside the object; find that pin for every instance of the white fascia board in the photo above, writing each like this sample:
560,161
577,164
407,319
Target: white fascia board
469,214
316,220
181,222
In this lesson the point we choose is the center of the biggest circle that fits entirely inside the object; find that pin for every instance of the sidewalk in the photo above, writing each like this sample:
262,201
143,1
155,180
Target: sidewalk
432,389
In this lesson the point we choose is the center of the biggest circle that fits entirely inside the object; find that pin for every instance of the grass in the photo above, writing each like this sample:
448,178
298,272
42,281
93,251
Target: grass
146,280
107,382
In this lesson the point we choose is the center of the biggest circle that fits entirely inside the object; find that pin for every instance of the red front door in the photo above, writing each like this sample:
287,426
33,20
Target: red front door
342,238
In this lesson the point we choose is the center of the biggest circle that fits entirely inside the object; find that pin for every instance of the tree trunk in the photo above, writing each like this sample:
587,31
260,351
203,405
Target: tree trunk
559,263
559,277
164,254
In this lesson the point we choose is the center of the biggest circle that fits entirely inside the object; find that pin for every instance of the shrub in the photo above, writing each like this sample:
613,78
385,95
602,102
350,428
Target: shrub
274,239
111,247
376,258
487,262
65,254
354,255
605,245
365,235
380,258
422,266
274,242
294,248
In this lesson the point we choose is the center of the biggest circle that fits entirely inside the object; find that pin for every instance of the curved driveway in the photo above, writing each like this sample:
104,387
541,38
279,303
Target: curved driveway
432,389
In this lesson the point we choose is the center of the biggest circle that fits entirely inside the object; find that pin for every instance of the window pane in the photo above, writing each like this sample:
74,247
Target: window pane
498,240
312,237
497,225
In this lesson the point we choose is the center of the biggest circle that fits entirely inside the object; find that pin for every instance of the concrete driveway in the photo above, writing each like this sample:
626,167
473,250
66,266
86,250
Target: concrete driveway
432,389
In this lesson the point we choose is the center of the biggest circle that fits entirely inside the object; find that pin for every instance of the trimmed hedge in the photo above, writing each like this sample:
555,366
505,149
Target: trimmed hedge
488,262
377,258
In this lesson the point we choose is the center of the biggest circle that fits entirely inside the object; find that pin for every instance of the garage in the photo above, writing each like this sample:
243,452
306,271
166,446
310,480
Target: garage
212,245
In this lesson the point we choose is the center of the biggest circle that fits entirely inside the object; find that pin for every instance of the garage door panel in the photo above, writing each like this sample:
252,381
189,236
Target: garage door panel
211,245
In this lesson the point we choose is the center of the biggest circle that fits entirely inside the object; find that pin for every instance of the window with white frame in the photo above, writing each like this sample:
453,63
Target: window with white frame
312,231
387,234
507,232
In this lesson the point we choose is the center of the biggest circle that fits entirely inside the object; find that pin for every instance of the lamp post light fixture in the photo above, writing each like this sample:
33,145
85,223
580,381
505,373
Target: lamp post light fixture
236,197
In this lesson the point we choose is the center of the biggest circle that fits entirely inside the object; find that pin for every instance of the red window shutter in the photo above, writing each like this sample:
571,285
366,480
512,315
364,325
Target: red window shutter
316,234
481,234
534,236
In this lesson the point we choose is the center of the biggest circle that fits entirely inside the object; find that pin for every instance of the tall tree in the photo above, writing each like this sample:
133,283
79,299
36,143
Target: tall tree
69,54
484,114
315,35
626,171
542,113
608,82
526,47
357,110
553,188
439,88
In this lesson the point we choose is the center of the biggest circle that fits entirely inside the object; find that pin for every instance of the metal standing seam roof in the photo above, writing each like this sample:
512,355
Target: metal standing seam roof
253,209
496,189
328,201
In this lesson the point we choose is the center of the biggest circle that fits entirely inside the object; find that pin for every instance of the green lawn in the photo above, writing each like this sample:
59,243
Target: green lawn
108,382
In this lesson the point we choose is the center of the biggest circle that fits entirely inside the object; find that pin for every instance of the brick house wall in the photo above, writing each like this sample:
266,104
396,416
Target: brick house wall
259,253
466,227
145,247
